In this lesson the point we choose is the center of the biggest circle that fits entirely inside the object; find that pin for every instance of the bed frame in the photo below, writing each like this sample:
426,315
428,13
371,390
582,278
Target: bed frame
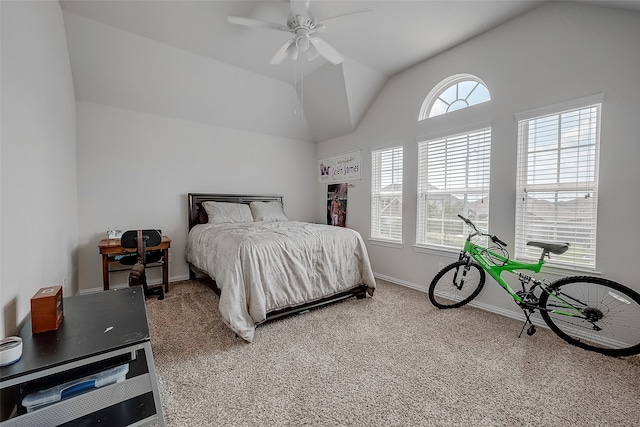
195,206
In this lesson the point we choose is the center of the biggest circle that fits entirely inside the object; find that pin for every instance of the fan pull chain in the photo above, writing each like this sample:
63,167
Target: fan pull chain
295,83
302,90
295,86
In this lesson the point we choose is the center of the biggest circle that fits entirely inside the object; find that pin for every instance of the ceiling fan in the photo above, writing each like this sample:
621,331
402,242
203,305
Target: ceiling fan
303,26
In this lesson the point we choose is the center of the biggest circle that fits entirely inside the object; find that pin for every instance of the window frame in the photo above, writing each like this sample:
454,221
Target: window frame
444,85
392,239
421,242
570,259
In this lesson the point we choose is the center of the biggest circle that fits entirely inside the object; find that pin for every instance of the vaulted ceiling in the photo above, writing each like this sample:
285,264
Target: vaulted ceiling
376,45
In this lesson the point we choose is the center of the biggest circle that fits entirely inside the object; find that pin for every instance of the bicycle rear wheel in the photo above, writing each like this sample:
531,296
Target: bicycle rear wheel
456,284
594,313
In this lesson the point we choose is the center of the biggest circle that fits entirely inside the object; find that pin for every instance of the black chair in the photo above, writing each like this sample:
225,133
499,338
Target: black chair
141,240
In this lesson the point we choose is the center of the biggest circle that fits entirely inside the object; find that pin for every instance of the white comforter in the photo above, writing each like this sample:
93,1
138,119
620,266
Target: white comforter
265,266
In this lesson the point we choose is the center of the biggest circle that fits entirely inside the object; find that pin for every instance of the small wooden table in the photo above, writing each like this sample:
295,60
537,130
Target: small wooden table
109,248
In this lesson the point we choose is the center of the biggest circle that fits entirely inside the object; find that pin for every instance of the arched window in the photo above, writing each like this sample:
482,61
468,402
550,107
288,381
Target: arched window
453,165
454,93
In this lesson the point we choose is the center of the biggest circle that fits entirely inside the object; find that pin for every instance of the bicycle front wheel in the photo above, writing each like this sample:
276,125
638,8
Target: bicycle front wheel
456,284
594,313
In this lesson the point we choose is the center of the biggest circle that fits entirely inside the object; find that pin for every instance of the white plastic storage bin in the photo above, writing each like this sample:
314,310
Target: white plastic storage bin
42,398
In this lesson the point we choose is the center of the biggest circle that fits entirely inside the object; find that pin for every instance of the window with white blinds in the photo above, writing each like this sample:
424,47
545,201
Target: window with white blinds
386,194
557,188
453,179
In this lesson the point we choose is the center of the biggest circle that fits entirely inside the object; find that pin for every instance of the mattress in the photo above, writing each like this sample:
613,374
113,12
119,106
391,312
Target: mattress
261,267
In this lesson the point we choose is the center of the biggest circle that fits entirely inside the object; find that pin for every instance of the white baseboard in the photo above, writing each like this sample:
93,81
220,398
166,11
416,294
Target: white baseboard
122,286
518,315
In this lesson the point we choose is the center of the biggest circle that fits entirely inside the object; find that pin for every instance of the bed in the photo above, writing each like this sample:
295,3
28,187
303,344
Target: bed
265,266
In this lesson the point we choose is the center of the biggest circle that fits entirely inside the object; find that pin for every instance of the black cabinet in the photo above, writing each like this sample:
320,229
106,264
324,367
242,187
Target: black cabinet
100,331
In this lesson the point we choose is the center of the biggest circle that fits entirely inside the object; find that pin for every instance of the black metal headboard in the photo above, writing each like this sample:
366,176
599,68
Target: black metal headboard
196,199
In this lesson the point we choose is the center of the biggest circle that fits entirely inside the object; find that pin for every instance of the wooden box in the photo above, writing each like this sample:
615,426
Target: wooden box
46,309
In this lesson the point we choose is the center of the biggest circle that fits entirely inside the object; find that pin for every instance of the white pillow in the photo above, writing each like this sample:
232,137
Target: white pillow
221,212
268,211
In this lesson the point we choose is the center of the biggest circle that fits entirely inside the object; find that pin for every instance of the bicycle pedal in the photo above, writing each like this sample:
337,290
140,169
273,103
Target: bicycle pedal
532,330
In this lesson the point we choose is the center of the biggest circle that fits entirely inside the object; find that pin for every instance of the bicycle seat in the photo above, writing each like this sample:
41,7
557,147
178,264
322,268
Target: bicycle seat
553,247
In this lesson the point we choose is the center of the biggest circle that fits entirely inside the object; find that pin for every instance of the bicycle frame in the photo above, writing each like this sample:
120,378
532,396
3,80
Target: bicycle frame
495,271
476,252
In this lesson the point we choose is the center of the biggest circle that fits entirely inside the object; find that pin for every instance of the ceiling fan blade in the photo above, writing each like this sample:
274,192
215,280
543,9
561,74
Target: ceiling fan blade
312,53
352,12
292,51
281,53
326,50
254,23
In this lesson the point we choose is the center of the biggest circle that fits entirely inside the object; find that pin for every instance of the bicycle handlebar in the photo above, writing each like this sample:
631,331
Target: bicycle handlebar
494,239
468,222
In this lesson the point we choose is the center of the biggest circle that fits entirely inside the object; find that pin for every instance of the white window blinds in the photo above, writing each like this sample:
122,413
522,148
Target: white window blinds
386,194
557,188
453,178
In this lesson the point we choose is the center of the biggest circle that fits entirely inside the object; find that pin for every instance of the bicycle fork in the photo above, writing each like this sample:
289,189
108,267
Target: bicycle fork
465,269
457,284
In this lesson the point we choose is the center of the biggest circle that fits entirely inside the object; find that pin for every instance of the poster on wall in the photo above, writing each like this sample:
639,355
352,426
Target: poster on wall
341,168
337,204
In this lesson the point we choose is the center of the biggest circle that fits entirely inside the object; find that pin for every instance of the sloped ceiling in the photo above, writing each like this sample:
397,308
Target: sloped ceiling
181,58
335,98
119,69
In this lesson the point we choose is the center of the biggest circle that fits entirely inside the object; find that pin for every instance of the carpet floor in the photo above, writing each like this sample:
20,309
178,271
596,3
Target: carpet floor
389,360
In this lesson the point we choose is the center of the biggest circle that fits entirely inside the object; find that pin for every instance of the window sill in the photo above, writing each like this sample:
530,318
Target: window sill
433,250
565,270
386,243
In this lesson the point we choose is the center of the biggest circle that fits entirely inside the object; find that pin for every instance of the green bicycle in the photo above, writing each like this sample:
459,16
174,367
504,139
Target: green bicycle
589,312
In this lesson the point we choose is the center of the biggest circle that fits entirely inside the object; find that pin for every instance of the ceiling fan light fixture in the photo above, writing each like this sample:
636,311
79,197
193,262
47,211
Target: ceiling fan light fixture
302,43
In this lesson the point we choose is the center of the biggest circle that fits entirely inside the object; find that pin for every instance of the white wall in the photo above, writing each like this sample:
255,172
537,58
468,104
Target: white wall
155,122
555,53
135,171
38,188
